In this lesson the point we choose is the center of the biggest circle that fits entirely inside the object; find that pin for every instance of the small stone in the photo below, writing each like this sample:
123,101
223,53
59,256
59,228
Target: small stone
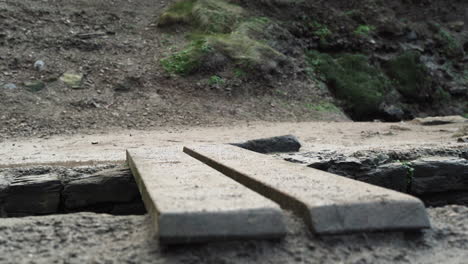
34,86
9,86
39,65
71,79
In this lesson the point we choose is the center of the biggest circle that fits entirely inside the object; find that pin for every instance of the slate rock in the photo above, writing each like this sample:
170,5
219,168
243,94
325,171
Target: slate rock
439,174
392,176
33,194
108,186
440,120
288,143
446,198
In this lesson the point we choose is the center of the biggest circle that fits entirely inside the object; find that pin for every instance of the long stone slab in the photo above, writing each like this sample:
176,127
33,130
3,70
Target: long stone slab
328,203
191,202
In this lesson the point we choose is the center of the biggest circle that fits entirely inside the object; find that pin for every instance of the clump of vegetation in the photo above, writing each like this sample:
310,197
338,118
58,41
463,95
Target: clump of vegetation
410,76
450,46
320,30
178,13
215,80
245,52
224,31
188,60
213,16
364,30
353,80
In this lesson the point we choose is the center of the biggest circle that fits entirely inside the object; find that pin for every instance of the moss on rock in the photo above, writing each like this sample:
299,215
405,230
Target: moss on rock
411,77
353,80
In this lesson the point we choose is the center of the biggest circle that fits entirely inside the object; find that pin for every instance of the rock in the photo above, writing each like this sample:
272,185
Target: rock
462,140
457,26
108,186
288,143
34,86
130,83
411,36
9,86
439,174
446,198
39,65
33,194
440,120
458,90
392,112
72,80
394,176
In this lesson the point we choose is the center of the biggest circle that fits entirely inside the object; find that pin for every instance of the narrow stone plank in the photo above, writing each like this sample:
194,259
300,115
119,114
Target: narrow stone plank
328,203
191,202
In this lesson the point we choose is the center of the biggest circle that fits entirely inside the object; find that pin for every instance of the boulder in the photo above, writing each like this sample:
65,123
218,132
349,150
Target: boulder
440,120
105,187
288,143
439,174
392,176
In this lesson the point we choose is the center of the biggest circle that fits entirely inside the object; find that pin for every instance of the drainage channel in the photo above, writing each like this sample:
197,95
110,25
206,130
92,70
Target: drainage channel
439,177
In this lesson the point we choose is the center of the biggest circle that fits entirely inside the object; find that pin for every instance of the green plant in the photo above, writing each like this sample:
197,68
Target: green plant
364,30
352,79
215,80
188,60
239,73
409,175
450,45
320,30
410,76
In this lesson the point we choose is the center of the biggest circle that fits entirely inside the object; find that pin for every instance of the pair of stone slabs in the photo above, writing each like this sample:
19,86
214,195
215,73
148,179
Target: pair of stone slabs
222,192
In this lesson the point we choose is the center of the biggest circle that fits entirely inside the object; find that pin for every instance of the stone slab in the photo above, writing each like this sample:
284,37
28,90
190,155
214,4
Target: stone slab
328,203
190,202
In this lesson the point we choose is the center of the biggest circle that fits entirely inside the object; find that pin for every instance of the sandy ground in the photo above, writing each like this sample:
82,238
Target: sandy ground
110,146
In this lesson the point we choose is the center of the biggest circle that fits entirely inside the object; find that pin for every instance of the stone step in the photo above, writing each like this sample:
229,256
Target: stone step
190,202
328,203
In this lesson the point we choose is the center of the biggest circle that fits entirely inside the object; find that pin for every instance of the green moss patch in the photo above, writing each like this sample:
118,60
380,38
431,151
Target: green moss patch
410,76
188,60
450,46
353,80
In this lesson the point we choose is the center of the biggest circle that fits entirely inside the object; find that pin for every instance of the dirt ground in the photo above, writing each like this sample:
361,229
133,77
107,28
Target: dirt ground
117,47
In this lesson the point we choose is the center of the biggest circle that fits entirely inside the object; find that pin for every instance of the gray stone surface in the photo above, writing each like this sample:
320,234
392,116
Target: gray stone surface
191,202
328,203
33,194
288,143
439,174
